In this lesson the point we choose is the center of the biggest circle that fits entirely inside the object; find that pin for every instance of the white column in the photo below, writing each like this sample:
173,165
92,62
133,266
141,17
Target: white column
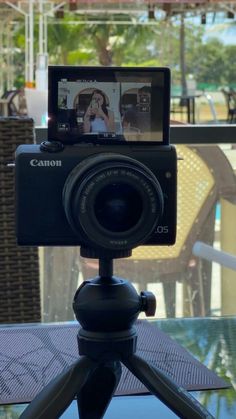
30,81
9,58
42,58
29,38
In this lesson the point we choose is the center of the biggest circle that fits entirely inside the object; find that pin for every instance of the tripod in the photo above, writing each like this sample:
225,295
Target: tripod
107,307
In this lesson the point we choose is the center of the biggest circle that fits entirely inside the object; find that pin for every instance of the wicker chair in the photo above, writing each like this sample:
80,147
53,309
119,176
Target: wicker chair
19,266
204,177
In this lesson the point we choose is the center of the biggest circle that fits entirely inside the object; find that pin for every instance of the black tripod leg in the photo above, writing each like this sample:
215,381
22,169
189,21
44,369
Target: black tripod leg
53,400
160,385
95,396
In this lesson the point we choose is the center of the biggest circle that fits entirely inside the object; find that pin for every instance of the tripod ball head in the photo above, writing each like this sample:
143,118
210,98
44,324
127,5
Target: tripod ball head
107,305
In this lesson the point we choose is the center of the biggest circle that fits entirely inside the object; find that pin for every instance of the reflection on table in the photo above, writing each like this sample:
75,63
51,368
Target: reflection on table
210,340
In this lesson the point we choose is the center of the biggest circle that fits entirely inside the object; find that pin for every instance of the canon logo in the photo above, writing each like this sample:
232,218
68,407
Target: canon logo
45,163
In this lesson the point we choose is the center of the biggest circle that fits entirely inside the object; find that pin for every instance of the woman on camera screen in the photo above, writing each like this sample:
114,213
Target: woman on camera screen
98,118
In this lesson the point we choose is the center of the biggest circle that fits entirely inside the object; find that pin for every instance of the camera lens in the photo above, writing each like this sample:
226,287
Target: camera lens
114,207
112,201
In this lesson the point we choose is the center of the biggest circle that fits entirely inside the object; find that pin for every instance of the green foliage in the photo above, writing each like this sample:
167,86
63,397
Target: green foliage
80,57
230,65
64,39
135,45
209,62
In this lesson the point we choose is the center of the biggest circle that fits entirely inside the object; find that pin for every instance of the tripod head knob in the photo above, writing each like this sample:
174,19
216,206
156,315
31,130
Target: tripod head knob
148,303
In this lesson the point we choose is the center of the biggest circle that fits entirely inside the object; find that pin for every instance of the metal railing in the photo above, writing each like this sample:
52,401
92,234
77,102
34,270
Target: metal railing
185,134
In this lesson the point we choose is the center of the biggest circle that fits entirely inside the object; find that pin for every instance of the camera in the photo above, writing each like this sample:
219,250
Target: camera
104,185
90,195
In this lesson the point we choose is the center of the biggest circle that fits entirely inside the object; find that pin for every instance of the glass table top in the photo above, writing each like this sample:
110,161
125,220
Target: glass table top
211,340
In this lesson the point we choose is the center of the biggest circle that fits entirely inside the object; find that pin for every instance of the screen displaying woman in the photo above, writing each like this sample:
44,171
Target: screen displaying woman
98,118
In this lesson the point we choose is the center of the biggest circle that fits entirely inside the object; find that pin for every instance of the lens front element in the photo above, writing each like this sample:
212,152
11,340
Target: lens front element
118,207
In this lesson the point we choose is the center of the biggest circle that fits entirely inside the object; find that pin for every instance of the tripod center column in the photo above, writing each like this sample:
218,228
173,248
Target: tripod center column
105,268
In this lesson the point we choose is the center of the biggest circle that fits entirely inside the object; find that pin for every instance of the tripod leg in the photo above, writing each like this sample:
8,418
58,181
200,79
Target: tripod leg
95,396
53,400
160,385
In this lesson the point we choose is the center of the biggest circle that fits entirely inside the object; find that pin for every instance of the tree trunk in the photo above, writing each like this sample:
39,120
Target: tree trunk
103,47
105,56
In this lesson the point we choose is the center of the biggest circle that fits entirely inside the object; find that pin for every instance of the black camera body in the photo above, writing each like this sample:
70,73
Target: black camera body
96,195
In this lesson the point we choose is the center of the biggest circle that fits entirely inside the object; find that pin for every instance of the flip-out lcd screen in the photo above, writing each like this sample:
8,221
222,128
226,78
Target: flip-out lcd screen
108,104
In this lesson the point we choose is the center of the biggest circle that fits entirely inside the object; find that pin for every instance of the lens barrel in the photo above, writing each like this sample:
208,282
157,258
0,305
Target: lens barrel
112,201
